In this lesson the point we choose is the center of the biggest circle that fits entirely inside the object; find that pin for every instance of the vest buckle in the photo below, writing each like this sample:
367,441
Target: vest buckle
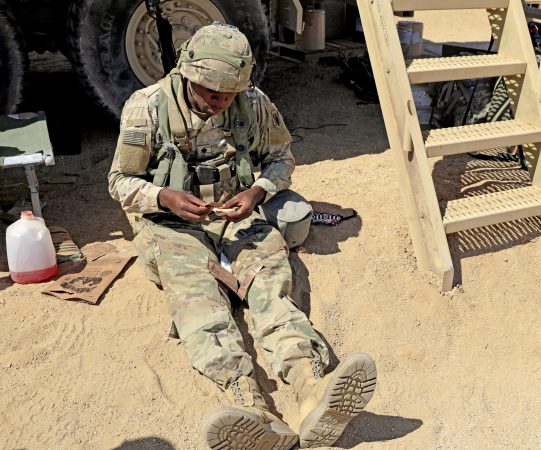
182,142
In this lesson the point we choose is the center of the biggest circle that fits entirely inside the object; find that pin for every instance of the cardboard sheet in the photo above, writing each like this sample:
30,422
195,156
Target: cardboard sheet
105,262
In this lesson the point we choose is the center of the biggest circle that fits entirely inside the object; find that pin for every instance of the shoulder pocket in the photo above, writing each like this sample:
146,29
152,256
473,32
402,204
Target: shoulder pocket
278,132
134,150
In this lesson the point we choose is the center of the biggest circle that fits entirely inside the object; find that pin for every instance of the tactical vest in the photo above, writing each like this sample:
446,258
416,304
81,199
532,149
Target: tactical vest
177,163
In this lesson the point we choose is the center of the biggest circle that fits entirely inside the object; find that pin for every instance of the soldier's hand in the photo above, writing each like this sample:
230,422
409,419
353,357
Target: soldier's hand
245,202
184,204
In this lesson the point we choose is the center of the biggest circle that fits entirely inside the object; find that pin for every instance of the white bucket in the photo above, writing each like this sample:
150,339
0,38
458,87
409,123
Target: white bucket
30,249
411,38
313,35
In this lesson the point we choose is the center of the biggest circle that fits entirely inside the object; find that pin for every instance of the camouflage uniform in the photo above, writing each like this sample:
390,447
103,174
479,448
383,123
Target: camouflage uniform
212,156
184,258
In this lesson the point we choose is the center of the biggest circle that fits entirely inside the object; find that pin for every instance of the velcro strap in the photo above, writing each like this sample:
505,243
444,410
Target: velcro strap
206,192
247,281
225,172
227,278
136,122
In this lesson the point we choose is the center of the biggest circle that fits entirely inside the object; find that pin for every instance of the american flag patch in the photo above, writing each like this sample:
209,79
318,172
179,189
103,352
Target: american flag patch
133,137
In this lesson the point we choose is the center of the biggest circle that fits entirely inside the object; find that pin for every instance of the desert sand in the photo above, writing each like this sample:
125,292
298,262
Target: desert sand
459,370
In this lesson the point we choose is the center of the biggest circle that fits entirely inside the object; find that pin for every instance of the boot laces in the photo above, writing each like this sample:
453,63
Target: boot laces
315,363
235,388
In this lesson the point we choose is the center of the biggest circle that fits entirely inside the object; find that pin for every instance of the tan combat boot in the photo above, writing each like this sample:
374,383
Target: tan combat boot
248,425
326,405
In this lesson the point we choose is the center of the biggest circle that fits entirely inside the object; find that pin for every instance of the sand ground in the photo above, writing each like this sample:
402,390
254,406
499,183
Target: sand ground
460,370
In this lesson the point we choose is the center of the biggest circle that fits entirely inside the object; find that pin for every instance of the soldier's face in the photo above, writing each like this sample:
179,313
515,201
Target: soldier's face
208,101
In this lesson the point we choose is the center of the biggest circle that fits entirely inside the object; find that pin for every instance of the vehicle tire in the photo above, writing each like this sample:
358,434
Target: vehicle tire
13,61
111,58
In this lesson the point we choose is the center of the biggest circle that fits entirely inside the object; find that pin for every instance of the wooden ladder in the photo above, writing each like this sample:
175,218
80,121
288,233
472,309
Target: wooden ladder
515,61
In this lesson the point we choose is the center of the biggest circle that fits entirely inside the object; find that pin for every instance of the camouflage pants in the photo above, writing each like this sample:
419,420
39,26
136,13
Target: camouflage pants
177,255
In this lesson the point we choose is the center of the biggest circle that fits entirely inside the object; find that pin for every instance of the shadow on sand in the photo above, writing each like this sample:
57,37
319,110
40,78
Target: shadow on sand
463,176
369,427
147,443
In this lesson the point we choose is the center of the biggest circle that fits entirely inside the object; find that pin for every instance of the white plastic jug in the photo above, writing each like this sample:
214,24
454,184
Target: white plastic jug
31,255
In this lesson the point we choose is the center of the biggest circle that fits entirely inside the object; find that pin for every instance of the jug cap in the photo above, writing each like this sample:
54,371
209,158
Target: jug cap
27,215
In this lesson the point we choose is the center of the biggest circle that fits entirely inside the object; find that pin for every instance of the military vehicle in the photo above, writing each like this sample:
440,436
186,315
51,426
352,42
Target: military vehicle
114,48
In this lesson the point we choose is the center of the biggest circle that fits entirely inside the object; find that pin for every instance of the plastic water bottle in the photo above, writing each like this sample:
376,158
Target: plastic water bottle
30,249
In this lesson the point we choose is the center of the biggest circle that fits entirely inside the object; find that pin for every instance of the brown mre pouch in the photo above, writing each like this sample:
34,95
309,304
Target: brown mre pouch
105,262
65,248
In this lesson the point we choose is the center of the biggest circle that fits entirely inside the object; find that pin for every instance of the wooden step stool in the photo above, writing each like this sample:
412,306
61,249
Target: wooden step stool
515,61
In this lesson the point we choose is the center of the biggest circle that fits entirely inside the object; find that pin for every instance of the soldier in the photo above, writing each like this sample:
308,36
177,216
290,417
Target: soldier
183,171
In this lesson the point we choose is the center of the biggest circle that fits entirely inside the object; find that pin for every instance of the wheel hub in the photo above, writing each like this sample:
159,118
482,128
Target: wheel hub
142,41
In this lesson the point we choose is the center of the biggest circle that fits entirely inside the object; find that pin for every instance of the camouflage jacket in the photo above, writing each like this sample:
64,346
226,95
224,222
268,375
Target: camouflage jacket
138,195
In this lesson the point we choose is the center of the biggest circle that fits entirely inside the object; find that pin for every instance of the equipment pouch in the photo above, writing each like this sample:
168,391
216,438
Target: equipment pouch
170,169
134,150
180,178
163,163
